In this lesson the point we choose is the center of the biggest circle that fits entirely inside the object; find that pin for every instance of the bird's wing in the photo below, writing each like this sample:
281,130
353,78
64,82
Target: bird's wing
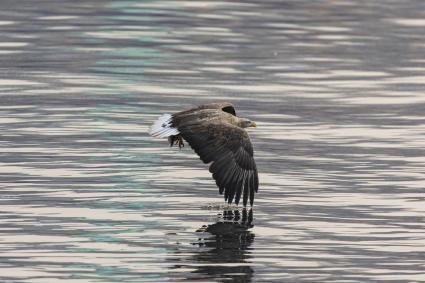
224,106
231,152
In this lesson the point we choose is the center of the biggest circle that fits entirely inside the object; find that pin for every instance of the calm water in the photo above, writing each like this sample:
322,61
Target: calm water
337,89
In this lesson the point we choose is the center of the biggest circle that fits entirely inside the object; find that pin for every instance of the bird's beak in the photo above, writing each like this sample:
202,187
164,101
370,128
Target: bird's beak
253,124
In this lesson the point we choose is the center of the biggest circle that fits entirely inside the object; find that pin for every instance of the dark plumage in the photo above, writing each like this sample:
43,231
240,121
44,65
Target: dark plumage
217,135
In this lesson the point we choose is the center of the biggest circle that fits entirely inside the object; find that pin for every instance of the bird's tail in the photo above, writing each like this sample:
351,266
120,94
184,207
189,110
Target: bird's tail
162,128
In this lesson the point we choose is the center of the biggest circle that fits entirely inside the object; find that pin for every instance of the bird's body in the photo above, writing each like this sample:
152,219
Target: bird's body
217,135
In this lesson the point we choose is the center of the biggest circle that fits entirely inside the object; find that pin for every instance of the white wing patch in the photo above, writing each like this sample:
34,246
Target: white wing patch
162,127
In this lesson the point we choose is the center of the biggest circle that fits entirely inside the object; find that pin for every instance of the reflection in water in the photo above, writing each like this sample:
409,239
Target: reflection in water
228,241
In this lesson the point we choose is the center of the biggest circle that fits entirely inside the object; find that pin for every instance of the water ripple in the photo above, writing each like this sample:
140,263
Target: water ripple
89,196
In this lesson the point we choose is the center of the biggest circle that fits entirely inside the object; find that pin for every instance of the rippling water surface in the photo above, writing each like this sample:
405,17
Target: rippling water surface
337,89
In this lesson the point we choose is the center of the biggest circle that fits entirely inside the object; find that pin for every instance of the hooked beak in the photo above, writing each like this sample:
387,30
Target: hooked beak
253,124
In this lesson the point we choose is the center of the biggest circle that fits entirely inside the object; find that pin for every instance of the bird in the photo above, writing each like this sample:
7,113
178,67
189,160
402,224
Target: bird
219,137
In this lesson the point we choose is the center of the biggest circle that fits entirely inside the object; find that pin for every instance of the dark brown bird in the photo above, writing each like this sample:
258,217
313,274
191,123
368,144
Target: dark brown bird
217,135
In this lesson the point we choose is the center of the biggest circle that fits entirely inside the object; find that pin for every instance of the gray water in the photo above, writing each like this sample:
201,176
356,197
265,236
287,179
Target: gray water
337,89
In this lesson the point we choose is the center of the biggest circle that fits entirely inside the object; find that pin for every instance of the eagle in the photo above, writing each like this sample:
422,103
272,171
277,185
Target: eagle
219,137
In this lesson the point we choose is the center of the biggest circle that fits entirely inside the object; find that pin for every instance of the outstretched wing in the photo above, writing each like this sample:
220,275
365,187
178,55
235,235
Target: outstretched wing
229,149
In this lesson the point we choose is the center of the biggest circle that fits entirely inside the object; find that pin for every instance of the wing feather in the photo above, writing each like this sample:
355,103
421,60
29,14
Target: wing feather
229,149
246,188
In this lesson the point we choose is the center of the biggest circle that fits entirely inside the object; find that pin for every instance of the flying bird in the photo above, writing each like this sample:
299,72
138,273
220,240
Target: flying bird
218,136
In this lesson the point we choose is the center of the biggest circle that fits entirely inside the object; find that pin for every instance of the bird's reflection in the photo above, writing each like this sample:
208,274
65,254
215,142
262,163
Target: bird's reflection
228,240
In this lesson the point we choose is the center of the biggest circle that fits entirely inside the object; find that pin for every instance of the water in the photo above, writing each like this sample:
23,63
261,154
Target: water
336,88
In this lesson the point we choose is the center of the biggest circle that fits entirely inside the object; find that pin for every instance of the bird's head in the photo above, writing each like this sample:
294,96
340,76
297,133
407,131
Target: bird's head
246,123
